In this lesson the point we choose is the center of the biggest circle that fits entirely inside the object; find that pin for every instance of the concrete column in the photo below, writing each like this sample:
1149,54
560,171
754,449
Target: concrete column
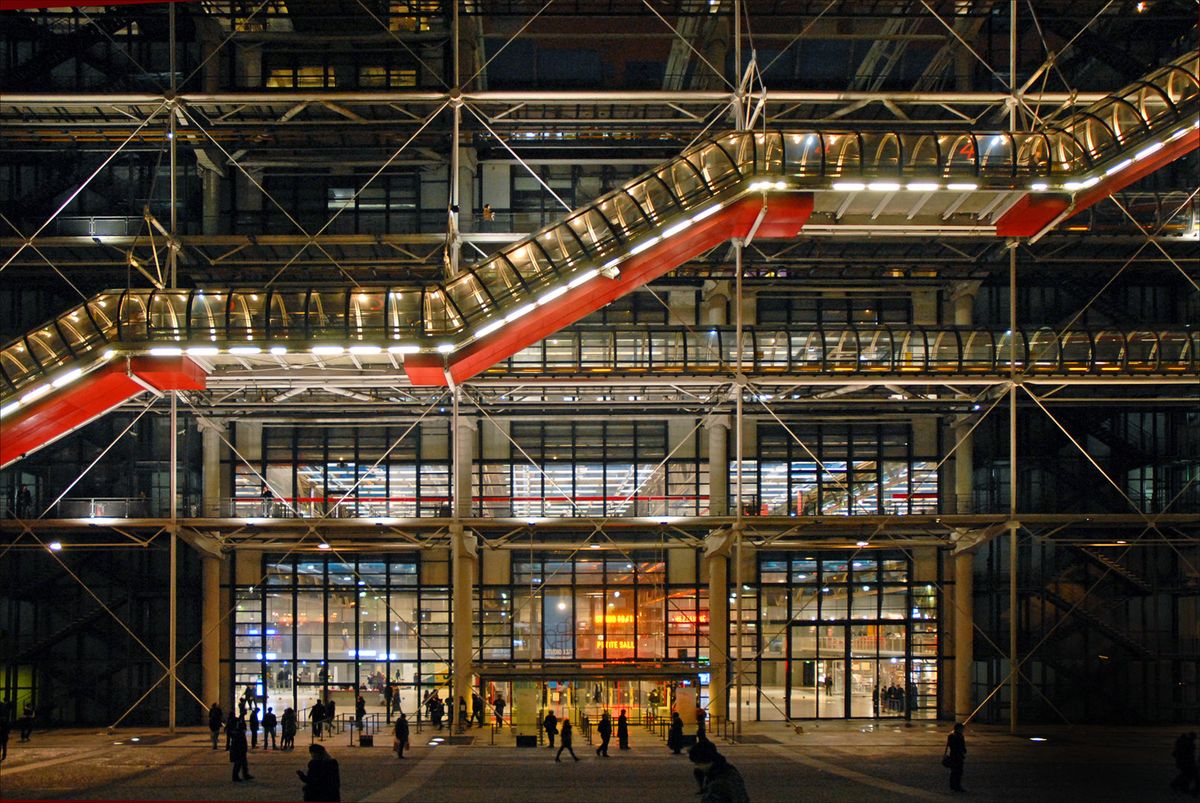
964,468
716,561
964,633
714,309
718,465
210,188
464,463
464,561
962,297
210,629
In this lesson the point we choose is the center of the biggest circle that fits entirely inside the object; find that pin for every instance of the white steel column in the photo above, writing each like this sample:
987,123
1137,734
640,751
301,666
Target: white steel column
465,436
463,558
739,423
210,629
173,604
718,465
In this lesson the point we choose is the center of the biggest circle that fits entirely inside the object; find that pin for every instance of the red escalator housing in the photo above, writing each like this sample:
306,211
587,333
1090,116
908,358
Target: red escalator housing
783,217
63,411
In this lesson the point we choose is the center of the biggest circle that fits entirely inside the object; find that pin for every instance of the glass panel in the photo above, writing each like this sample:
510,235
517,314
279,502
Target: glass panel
367,315
286,319
246,315
327,314
133,315
168,314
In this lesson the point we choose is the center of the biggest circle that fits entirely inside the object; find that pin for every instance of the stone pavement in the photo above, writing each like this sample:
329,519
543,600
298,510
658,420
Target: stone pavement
834,761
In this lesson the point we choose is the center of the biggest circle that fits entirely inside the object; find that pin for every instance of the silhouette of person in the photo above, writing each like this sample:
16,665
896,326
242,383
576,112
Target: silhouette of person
317,715
1184,754
269,722
216,718
675,734
604,728
499,707
477,708
289,730
323,781
565,743
955,756
401,741
623,731
5,730
254,728
25,723
360,711
550,724
239,751
24,502
720,782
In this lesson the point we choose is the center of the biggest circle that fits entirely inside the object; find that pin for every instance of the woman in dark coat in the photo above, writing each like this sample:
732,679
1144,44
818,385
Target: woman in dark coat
623,731
288,724
675,734
322,781
955,756
565,743
238,751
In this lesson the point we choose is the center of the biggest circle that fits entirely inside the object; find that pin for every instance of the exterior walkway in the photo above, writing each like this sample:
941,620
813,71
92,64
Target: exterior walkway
844,761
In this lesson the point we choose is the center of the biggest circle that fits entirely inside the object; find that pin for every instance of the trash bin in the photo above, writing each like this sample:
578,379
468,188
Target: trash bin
526,741
366,740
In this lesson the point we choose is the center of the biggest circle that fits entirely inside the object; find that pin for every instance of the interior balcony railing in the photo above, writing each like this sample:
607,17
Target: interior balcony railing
736,185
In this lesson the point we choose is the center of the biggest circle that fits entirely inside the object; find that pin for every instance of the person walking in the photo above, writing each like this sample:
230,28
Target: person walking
604,728
317,715
720,782
436,711
675,734
323,781
216,718
254,728
499,706
269,723
288,723
464,717
565,743
25,723
239,752
1184,754
550,724
478,709
360,711
330,716
401,740
955,756
623,731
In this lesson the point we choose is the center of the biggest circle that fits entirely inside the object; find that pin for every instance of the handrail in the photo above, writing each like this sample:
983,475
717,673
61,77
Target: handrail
1069,156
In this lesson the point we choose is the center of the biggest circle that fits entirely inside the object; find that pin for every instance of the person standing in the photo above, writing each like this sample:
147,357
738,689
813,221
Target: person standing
499,705
401,740
464,717
435,712
1184,754
5,730
550,724
720,782
254,728
330,716
317,715
323,781
477,708
565,743
269,722
701,721
955,756
289,730
623,731
239,752
604,728
24,502
216,718
360,711
675,734
387,699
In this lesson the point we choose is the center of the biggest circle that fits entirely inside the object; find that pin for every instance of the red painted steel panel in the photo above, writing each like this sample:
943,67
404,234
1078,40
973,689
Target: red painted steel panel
785,215
1171,151
65,410
1030,215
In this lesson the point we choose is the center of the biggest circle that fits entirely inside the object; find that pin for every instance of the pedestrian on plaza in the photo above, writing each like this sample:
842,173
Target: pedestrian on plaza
25,723
230,728
720,780
269,721
565,743
604,728
216,718
701,720
1184,754
499,706
550,725
5,730
955,756
464,717
323,781
401,740
317,715
254,728
675,734
623,731
360,711
477,708
436,711
388,690
239,752
288,724
330,715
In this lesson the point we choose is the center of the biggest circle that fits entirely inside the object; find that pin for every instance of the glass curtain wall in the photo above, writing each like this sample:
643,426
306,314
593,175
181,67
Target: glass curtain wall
845,634
319,625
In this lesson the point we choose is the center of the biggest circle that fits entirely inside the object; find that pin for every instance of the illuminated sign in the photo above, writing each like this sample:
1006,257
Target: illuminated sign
613,619
614,644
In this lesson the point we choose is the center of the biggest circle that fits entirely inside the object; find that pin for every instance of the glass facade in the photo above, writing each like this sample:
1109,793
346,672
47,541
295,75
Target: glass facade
843,634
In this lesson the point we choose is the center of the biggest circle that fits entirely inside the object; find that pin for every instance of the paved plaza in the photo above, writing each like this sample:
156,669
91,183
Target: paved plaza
843,761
